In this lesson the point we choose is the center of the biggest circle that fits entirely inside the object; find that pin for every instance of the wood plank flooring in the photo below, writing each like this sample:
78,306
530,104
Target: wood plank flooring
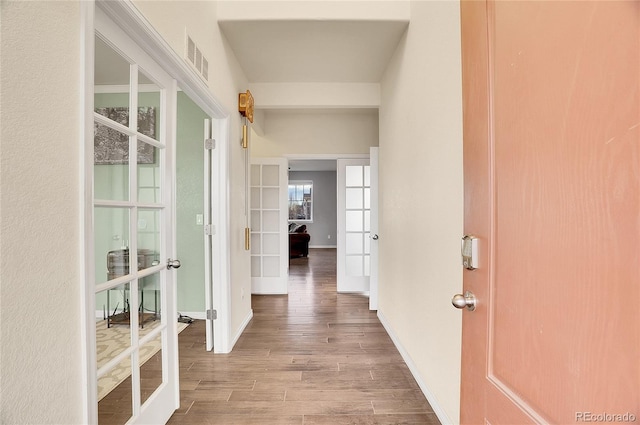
312,357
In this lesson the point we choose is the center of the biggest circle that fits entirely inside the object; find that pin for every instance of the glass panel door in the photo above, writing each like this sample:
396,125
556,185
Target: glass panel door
269,235
354,225
136,341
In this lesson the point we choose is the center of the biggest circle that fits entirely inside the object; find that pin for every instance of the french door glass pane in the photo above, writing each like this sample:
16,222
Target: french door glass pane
270,198
111,169
353,174
353,221
255,198
149,178
111,83
116,404
354,243
367,265
149,302
271,266
270,175
256,263
354,198
271,221
150,367
255,175
271,244
113,335
255,221
354,265
111,234
149,238
148,106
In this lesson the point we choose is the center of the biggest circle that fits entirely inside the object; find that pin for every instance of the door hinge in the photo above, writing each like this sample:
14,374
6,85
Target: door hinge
209,144
212,314
209,229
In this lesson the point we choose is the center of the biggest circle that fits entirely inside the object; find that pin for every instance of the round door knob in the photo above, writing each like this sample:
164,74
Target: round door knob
374,237
173,264
468,301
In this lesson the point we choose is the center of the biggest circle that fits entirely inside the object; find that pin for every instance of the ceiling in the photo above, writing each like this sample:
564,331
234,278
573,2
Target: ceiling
313,51
291,51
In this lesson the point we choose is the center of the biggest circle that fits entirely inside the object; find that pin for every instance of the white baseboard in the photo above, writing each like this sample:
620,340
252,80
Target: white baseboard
198,315
243,326
322,246
431,398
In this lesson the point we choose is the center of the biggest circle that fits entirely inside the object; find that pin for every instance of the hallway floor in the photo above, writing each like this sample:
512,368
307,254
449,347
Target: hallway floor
310,357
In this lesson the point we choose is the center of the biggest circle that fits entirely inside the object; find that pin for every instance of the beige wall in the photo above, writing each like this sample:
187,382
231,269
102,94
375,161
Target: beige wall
40,214
421,198
313,132
170,18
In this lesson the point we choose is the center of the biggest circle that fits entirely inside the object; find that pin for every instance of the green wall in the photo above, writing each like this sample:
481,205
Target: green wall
190,201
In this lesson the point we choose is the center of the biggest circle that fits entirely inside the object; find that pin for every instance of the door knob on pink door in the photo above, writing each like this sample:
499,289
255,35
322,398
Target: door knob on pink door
467,300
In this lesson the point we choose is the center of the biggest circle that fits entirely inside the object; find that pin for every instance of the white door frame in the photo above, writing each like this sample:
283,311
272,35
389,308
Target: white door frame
144,35
373,290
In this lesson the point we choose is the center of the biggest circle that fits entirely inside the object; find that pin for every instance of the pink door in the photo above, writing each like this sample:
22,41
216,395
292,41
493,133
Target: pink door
552,191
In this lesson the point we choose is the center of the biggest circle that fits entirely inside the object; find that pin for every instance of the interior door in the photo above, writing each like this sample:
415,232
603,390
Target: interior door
133,232
552,192
354,225
269,229
373,235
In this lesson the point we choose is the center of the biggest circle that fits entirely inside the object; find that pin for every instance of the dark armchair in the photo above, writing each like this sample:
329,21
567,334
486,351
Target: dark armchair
298,240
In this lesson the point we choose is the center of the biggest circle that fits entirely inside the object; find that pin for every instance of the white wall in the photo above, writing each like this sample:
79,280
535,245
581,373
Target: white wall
40,214
421,199
315,132
170,18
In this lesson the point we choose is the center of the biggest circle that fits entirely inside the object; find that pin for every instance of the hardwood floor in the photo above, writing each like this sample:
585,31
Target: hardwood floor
310,357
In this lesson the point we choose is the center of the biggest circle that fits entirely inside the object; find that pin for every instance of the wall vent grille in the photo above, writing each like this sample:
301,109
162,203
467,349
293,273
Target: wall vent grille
196,58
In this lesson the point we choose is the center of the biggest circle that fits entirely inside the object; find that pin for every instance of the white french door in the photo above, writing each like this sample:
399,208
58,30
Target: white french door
136,371
373,235
269,230
354,225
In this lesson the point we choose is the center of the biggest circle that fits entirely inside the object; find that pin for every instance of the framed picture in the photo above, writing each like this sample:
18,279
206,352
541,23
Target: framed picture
112,147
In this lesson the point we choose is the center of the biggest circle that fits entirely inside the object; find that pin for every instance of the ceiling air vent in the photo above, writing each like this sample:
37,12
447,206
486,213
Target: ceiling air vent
197,59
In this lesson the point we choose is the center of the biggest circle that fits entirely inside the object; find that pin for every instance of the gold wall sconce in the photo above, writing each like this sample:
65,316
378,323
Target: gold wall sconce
245,107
